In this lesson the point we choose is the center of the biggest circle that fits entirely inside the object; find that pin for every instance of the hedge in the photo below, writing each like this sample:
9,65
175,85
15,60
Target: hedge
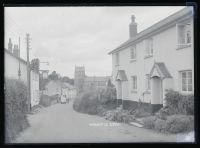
178,103
173,124
15,108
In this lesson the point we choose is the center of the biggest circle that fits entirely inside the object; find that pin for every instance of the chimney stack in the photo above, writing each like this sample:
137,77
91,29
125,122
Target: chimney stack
133,27
10,45
16,50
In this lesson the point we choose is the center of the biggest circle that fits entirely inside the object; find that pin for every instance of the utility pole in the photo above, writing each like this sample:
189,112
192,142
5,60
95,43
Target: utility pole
19,72
28,71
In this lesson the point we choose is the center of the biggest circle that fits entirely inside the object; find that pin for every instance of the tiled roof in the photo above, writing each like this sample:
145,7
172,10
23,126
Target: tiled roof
22,60
162,68
155,28
121,75
94,78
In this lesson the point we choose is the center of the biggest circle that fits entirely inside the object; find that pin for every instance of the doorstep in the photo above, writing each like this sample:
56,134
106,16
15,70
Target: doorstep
136,124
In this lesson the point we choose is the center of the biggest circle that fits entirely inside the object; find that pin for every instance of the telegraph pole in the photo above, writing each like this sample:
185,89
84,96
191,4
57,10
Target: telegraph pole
19,72
28,71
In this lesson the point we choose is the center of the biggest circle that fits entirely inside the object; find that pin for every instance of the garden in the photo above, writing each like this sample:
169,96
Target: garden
176,117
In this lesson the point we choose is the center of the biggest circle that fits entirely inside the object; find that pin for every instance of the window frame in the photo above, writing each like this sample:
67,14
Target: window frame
117,59
149,48
134,82
184,35
133,53
148,82
187,84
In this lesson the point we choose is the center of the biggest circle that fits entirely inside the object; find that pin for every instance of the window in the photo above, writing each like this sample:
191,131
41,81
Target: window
134,82
183,34
149,47
148,83
117,58
186,81
133,53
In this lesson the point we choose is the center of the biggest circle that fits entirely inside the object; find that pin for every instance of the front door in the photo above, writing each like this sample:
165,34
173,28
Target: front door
119,89
156,90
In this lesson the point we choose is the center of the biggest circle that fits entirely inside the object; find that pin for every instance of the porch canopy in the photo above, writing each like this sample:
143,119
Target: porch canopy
160,70
121,75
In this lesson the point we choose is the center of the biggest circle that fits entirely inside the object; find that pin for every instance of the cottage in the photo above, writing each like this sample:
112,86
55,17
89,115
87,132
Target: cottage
155,59
16,68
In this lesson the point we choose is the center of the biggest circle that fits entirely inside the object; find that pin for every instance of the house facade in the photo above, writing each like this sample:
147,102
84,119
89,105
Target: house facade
16,68
156,59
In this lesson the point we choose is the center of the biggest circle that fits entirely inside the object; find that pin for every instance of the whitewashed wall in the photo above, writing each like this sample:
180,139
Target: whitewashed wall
165,50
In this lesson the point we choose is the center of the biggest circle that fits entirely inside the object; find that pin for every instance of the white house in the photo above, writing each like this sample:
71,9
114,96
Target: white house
13,63
155,59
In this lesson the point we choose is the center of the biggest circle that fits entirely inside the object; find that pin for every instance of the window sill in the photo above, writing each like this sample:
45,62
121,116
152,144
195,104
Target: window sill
148,56
183,46
133,60
134,91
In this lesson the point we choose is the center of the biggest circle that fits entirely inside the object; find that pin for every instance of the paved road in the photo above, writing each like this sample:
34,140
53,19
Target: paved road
59,123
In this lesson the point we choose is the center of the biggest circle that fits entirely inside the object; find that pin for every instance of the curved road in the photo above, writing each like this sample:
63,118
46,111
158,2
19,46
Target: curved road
59,123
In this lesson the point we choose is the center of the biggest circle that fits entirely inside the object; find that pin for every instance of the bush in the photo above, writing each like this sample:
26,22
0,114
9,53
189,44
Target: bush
87,103
179,123
160,125
15,108
163,113
149,122
107,95
179,104
140,112
45,100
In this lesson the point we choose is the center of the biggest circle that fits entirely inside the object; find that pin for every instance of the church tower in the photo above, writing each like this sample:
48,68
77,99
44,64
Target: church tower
79,76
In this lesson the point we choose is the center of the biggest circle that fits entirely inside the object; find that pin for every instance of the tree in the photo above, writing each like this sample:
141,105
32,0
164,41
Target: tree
68,80
53,76
35,65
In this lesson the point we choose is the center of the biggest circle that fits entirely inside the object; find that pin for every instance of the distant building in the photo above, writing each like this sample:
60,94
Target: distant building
83,82
16,68
57,87
156,59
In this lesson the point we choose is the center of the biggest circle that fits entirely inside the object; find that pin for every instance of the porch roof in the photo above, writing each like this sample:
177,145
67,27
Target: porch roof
121,75
162,70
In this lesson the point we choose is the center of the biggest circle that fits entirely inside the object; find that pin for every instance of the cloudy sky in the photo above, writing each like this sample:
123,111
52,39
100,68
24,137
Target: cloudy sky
69,36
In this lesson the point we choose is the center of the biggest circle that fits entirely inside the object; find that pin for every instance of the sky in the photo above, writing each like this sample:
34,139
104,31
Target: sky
81,36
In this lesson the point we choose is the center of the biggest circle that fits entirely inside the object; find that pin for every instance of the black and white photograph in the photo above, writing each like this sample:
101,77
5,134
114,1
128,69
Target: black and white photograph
99,74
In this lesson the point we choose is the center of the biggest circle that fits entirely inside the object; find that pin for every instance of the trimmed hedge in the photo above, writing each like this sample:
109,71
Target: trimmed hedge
15,108
173,124
178,103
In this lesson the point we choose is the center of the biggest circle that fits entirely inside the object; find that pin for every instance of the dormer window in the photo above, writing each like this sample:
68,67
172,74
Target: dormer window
149,47
133,53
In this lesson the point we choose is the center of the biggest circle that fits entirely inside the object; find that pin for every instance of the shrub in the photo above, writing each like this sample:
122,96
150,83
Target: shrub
87,103
160,125
107,95
149,122
178,103
45,100
163,113
179,123
15,108
140,112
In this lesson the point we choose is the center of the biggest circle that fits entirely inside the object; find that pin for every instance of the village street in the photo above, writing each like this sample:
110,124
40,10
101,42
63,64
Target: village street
59,123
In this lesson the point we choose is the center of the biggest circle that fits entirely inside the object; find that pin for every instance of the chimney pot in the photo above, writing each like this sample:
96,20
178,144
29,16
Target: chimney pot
132,27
